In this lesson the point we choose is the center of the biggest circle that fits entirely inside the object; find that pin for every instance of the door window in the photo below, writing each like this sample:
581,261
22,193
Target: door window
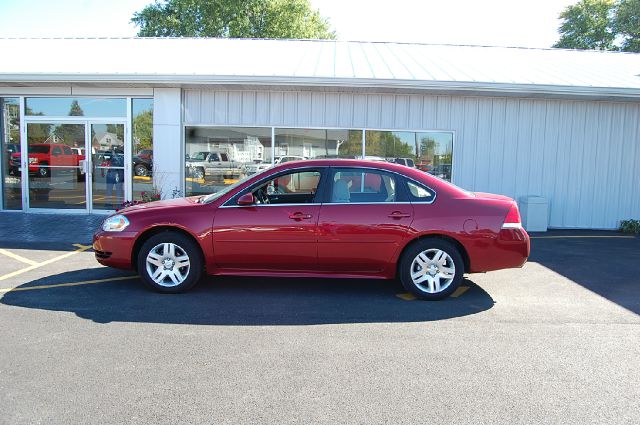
292,188
363,186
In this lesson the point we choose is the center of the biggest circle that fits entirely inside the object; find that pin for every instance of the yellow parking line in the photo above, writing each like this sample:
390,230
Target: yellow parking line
17,257
582,237
58,285
81,248
461,290
406,296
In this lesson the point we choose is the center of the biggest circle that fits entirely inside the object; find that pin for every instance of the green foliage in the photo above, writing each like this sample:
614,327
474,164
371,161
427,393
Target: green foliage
630,226
627,24
143,130
232,19
601,24
75,110
587,25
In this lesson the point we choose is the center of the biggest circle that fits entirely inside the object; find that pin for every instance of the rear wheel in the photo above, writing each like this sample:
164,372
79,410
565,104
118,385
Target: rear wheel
170,262
431,269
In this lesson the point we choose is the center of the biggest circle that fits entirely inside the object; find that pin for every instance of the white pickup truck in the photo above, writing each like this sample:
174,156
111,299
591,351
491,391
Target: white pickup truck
214,164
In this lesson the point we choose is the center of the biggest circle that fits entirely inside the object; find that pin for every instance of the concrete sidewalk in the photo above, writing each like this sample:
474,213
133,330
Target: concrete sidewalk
21,228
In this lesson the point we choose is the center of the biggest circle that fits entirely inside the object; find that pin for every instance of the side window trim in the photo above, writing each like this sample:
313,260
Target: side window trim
415,200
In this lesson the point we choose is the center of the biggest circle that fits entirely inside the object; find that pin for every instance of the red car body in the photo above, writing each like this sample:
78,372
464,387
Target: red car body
48,154
325,239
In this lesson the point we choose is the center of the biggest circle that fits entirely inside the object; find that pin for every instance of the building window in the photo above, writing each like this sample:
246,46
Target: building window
75,107
219,156
302,143
142,146
429,151
10,153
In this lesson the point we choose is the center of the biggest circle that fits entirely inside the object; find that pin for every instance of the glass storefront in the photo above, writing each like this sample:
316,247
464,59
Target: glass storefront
10,142
80,155
218,156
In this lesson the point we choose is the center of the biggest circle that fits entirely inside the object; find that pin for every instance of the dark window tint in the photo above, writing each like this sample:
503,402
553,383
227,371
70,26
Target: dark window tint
363,186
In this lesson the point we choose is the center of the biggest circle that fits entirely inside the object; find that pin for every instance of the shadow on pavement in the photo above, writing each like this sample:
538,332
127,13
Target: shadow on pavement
608,266
246,301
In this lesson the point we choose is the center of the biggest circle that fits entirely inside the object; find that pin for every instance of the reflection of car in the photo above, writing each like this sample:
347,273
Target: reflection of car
442,171
142,164
261,166
408,162
10,149
330,218
214,163
44,155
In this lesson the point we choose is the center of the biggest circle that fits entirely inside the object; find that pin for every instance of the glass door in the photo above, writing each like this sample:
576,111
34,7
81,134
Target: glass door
107,165
56,177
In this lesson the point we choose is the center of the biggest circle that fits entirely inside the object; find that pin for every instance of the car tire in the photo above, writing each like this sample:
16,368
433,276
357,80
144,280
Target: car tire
140,170
198,173
44,171
159,259
431,269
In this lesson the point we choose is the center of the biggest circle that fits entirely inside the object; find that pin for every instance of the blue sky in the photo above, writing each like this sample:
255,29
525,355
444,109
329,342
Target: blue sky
490,22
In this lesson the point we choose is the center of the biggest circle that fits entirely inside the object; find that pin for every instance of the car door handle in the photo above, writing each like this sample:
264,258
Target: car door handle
399,214
299,216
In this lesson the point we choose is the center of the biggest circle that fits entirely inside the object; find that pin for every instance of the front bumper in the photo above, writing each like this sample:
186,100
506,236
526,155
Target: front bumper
114,249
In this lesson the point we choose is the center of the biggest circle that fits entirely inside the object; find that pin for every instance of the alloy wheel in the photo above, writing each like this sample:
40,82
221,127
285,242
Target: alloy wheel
168,264
432,270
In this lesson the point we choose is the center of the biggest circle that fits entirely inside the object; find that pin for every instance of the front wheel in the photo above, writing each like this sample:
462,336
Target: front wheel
170,262
431,269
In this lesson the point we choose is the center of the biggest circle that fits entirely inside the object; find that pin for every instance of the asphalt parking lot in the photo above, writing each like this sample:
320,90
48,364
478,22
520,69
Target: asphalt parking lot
557,341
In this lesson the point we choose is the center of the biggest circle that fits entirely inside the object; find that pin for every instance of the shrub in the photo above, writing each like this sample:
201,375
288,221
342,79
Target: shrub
630,226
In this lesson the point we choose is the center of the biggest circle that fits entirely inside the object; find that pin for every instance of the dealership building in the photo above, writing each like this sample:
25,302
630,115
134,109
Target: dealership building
88,124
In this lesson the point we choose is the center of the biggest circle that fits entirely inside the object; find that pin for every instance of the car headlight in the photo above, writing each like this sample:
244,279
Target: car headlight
33,160
115,223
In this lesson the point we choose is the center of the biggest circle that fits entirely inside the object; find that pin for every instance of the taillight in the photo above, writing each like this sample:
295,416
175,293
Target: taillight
512,220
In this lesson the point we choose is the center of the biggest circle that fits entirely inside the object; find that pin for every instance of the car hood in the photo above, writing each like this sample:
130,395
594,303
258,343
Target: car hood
167,203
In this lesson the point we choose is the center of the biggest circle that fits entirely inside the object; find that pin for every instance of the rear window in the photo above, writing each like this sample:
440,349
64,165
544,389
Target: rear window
420,193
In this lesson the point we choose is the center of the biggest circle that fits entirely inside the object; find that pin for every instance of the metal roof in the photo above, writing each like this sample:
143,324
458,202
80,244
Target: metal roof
187,61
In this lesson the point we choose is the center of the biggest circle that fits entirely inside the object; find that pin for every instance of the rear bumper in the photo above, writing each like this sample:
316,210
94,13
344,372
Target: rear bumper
510,249
114,249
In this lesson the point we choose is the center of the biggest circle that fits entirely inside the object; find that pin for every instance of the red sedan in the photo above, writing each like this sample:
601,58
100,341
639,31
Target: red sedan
320,218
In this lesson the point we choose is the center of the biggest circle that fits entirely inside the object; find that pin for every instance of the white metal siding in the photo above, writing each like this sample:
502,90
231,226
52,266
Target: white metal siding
581,155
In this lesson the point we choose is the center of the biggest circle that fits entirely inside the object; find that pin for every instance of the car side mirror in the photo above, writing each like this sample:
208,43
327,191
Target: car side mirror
246,199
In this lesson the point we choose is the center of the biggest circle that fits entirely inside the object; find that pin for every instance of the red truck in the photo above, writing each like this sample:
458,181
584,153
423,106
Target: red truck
45,155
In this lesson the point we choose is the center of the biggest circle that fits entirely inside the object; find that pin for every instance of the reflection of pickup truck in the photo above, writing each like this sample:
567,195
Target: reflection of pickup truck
215,164
261,166
44,155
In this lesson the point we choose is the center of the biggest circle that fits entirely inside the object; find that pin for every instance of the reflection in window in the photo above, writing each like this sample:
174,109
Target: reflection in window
10,153
428,151
216,156
293,188
75,107
142,147
300,143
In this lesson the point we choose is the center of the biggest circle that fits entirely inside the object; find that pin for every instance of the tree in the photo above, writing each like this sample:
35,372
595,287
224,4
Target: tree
588,24
626,24
75,110
232,19
143,130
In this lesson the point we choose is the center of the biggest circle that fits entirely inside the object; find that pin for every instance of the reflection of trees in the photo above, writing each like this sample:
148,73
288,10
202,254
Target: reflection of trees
118,130
352,147
388,145
71,134
143,130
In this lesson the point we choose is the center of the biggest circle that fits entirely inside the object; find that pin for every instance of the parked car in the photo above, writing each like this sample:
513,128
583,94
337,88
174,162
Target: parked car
320,218
261,165
44,155
407,162
213,163
142,164
442,171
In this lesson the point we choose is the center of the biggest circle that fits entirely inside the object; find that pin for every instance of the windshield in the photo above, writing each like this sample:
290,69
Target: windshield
216,195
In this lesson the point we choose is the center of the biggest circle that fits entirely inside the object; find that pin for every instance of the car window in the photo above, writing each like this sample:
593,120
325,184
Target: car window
214,157
56,151
223,157
420,193
363,186
297,187
67,150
